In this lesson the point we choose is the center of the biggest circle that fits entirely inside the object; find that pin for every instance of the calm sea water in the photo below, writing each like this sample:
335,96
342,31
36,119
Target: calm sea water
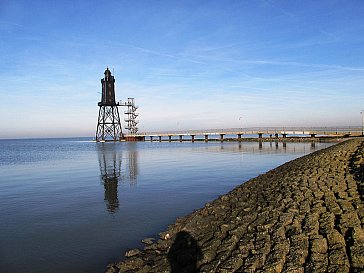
72,205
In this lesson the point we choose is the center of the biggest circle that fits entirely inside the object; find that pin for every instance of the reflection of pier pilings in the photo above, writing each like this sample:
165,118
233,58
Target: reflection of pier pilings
132,166
112,171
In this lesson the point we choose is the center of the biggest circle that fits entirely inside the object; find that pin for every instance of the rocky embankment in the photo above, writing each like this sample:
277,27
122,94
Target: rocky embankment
304,216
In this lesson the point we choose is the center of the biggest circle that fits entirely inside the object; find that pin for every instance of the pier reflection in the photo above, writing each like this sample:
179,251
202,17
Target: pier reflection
118,164
268,147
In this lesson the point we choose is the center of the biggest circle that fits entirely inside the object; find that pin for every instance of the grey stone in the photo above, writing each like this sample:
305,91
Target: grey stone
132,252
148,241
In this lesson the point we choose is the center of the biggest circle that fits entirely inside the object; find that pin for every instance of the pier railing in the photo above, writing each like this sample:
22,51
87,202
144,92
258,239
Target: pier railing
348,130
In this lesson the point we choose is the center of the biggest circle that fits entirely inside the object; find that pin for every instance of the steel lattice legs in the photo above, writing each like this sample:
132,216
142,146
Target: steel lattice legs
108,124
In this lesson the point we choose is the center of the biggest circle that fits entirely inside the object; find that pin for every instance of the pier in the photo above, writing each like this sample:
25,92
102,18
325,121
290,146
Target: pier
240,133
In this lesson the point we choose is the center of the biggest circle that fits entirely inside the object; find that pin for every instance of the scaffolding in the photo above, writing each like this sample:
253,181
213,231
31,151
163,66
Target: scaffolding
131,113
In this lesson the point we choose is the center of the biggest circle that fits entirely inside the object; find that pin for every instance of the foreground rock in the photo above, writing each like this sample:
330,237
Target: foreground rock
304,216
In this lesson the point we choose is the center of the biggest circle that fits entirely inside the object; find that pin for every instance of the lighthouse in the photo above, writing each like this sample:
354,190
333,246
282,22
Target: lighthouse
108,123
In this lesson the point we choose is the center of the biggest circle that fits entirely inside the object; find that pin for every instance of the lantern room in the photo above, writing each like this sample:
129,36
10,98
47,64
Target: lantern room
108,90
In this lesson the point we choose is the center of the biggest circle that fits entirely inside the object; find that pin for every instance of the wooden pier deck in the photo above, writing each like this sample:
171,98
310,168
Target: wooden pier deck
260,132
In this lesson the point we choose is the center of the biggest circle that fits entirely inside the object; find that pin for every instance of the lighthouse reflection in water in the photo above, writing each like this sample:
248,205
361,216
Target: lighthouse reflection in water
117,165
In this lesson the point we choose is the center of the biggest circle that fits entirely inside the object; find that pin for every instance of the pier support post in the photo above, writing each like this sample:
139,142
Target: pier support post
193,138
284,144
222,137
206,138
169,138
151,138
260,135
284,135
276,135
260,145
239,137
160,138
313,135
180,138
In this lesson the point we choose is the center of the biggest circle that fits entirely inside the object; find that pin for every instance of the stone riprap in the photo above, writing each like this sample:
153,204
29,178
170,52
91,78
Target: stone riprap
304,216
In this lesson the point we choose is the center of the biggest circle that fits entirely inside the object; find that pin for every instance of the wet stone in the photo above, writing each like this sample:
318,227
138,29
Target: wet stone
132,252
148,241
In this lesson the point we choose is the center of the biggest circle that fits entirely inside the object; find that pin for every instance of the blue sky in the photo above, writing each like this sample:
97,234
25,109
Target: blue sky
188,64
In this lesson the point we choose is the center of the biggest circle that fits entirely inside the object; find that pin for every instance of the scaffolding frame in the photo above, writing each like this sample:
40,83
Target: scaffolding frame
132,115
